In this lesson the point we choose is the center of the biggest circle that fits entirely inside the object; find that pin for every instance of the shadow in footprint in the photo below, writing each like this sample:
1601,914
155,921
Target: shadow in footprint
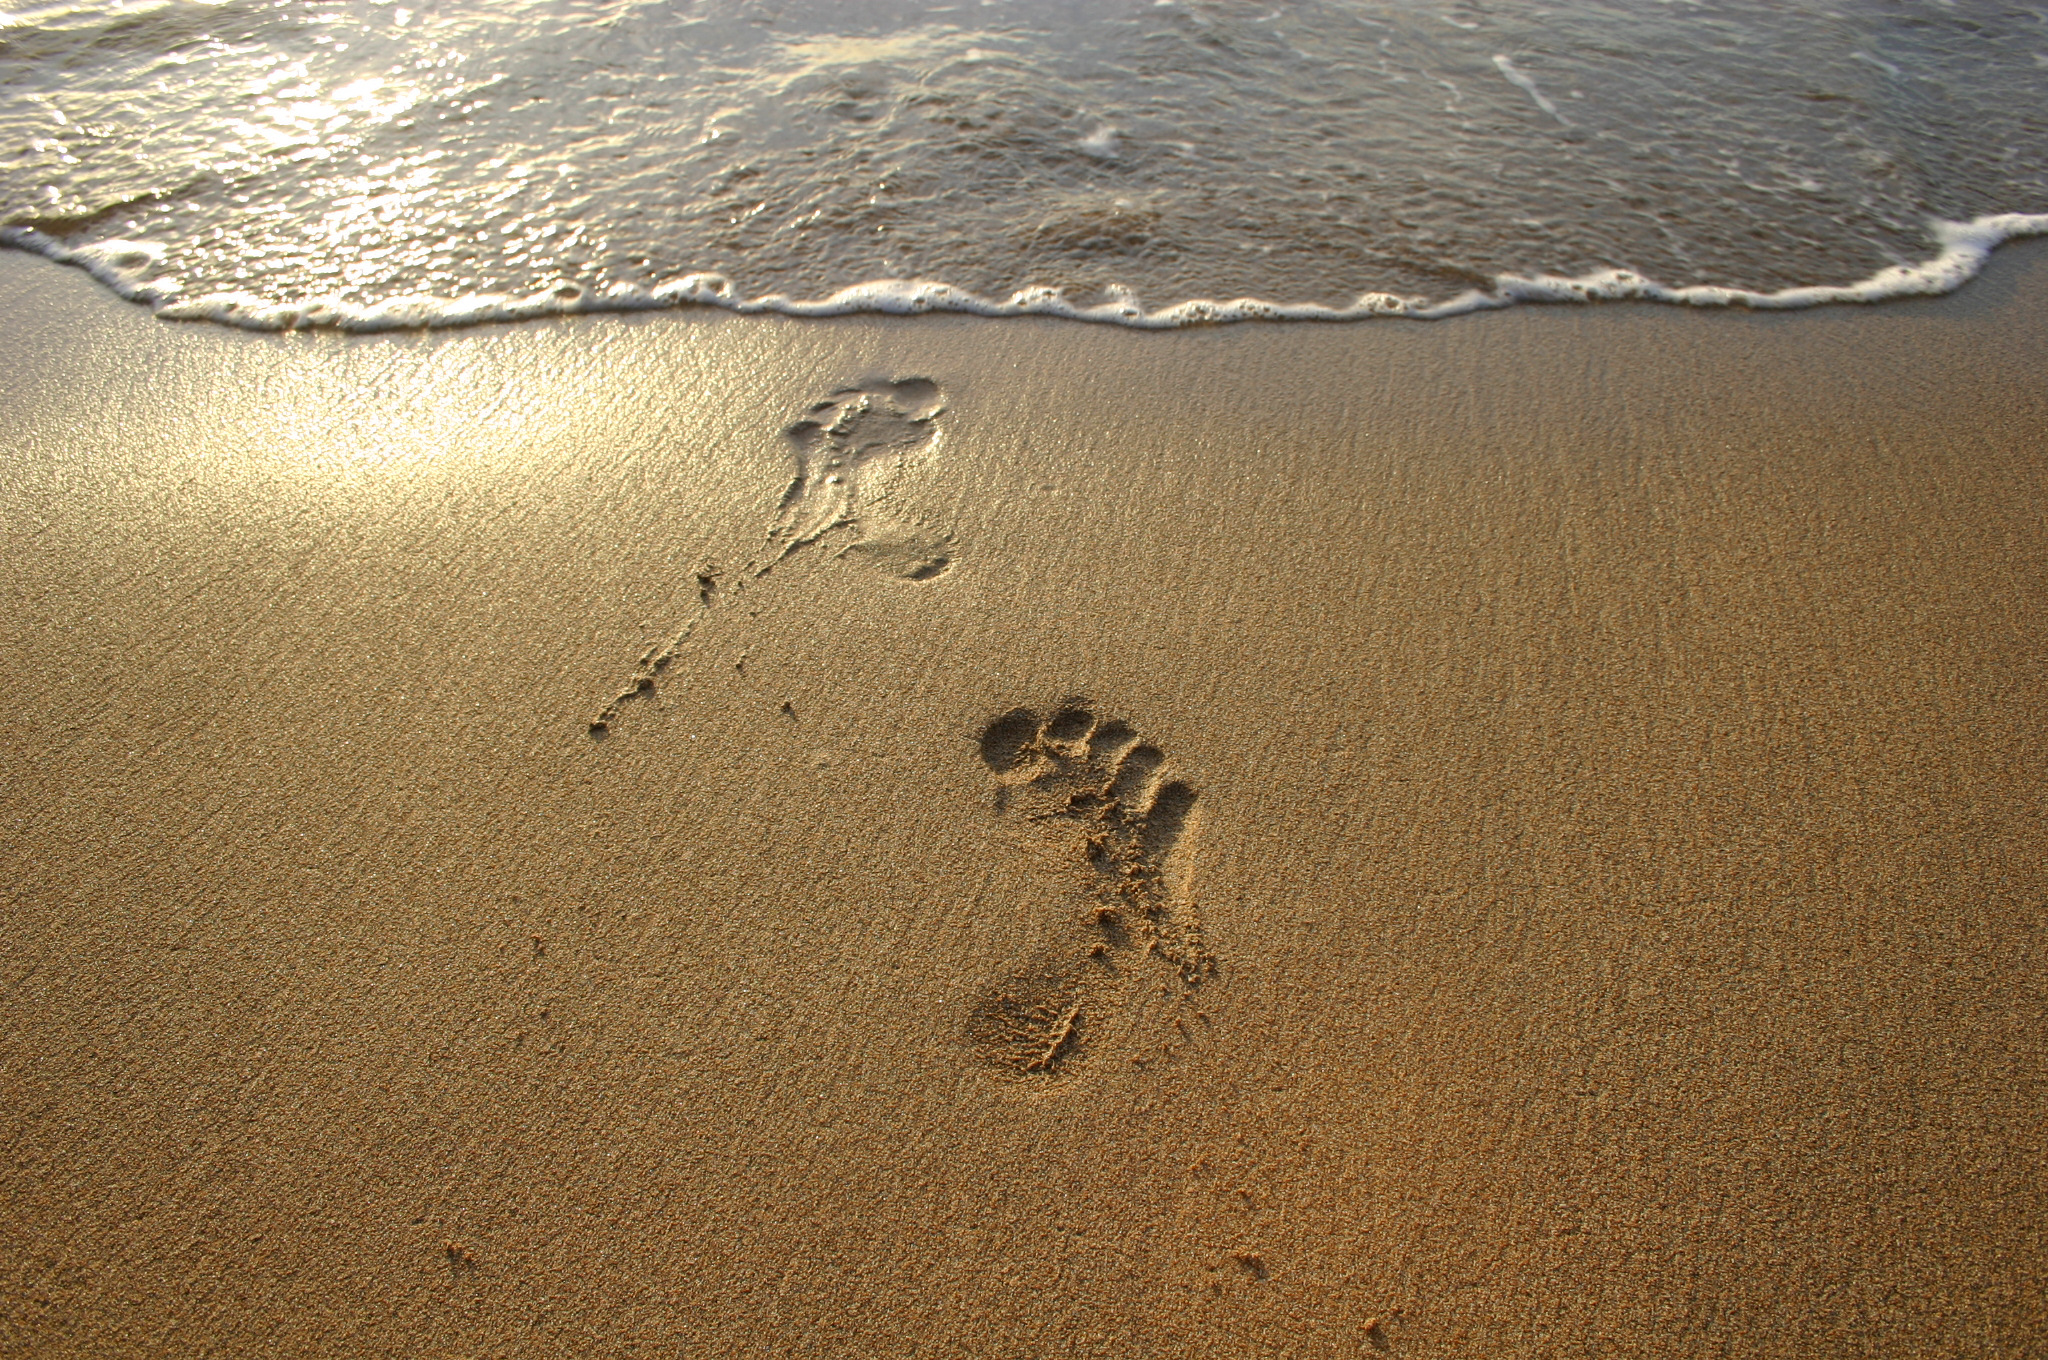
1032,1024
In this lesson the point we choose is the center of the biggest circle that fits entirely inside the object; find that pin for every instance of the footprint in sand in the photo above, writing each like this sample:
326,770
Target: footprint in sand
851,448
1091,783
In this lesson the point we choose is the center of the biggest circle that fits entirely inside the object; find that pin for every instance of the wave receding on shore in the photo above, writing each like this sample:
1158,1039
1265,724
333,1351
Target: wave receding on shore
130,269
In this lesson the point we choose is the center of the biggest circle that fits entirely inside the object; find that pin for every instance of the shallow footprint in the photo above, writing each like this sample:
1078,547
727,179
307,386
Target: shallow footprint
849,447
1069,770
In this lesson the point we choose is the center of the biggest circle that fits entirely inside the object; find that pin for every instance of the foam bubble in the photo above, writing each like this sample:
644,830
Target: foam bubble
1101,143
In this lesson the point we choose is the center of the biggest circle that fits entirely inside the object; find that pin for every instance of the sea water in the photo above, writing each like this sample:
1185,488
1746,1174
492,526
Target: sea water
369,163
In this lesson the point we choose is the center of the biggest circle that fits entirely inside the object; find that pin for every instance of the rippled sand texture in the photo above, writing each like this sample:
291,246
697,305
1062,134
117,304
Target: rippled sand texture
286,164
1521,838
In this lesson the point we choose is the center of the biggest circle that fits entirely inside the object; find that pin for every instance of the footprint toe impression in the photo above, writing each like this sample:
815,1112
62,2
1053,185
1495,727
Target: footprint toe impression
1072,769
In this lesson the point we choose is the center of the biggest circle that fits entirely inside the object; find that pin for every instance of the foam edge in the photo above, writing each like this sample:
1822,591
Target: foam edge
131,269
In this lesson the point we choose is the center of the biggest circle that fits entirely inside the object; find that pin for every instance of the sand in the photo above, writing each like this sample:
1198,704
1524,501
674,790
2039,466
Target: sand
1604,915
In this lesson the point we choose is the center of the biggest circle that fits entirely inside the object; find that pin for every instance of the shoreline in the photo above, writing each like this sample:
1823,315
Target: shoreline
1612,738
127,267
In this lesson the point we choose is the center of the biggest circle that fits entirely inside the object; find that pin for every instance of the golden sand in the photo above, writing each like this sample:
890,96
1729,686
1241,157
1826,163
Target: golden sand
1584,895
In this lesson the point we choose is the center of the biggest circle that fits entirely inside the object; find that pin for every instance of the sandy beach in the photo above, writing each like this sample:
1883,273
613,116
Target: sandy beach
1520,836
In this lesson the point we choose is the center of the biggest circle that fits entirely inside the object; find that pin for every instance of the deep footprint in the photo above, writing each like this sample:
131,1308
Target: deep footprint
1072,767
847,448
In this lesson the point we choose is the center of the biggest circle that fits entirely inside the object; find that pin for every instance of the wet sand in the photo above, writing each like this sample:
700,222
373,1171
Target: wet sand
1612,860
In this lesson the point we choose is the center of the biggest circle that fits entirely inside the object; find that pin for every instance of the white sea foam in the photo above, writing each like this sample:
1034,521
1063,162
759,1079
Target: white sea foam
130,268
1522,81
1101,143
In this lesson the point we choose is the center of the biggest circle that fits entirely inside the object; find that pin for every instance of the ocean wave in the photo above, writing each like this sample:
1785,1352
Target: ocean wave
365,165
132,270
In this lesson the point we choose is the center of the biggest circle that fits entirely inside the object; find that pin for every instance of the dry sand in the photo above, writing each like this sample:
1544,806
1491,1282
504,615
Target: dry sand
1610,744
